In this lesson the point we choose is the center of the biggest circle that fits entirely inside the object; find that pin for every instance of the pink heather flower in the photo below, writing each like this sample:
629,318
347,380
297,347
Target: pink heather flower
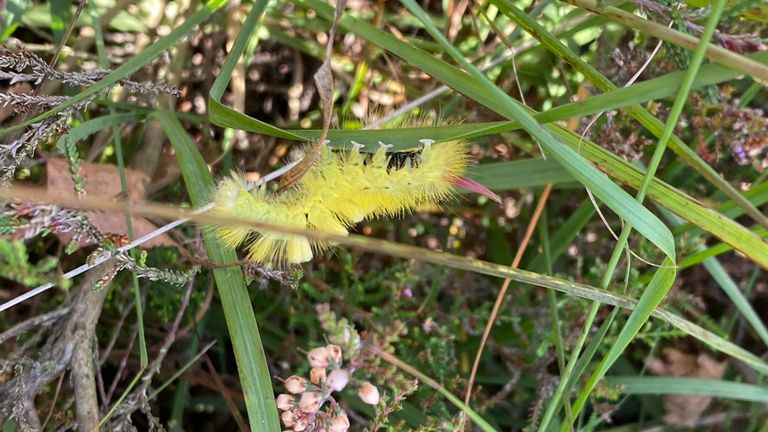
338,379
284,402
339,424
368,393
295,384
318,357
310,402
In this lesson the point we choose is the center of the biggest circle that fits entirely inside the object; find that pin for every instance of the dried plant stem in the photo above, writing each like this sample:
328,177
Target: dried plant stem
139,241
83,367
78,331
504,287
40,320
233,409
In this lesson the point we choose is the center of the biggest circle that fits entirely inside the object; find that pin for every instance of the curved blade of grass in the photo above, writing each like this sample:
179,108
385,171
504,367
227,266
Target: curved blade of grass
247,33
640,114
241,321
92,126
652,296
519,174
403,138
130,66
690,386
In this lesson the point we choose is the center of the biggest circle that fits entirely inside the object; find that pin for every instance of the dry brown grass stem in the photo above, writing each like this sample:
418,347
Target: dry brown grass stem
505,286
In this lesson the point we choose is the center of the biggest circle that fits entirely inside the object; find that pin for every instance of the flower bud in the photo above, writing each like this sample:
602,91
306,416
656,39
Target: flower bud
338,379
317,375
295,384
318,357
339,424
310,402
368,393
334,351
284,402
289,418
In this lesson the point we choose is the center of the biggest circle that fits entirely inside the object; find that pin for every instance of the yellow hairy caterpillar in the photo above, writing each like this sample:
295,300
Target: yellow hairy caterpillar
339,190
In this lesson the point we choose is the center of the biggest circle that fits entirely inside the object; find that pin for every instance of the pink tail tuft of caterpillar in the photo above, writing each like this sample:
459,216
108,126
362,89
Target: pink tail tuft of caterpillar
476,187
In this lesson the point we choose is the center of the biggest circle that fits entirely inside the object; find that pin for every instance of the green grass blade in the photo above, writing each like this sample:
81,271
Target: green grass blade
519,174
12,14
652,296
690,386
130,66
90,127
715,250
247,33
241,321
726,229
404,139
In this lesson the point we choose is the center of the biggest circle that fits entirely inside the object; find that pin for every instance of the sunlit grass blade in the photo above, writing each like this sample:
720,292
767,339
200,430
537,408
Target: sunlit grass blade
90,127
520,174
404,138
652,296
241,321
690,386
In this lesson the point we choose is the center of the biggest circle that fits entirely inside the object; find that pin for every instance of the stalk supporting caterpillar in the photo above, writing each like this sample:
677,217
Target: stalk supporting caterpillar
341,189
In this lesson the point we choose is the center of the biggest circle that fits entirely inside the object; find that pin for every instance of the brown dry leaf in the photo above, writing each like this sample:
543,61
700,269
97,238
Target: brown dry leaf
685,410
104,180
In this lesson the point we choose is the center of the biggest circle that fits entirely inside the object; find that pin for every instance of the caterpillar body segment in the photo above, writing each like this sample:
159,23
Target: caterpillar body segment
341,189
